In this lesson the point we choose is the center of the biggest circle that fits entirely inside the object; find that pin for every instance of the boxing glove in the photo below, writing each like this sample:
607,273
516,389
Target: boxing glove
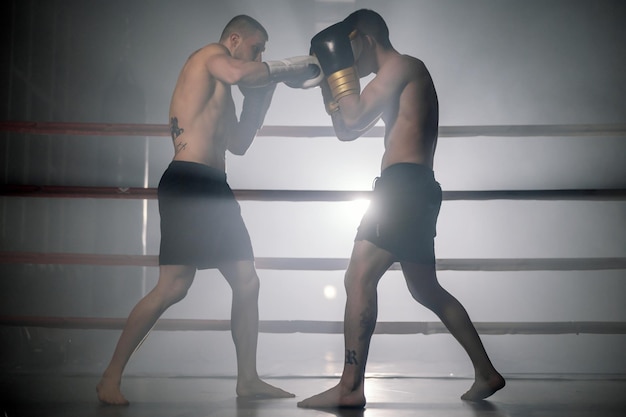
256,102
336,55
297,72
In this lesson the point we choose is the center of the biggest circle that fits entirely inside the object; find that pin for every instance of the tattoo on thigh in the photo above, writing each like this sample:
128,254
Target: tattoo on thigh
351,357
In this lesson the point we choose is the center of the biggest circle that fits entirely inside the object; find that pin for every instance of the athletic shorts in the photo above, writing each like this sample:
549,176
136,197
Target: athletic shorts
201,223
402,216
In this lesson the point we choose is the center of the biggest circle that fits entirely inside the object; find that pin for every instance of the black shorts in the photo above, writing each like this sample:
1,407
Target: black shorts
402,216
201,223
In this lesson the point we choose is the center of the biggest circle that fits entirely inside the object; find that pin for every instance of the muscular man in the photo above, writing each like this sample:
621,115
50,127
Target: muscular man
201,223
400,222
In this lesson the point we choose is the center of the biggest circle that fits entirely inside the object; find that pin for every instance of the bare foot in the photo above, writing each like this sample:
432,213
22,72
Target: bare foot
336,397
261,389
109,393
484,387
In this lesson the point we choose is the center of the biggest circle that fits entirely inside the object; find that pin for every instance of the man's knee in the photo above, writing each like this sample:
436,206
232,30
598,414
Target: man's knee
243,278
367,265
250,282
360,280
429,294
174,283
178,291
422,283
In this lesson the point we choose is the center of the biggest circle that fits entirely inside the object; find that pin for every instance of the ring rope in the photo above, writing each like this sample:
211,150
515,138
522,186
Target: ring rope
157,130
322,327
326,264
56,191
160,130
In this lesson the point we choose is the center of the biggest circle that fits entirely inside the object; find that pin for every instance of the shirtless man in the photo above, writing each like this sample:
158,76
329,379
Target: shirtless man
400,222
201,223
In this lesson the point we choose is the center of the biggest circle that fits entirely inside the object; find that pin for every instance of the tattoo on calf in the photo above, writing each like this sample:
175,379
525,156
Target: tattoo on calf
351,357
368,323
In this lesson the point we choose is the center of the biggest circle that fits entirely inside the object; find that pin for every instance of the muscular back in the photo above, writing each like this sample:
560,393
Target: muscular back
412,114
202,112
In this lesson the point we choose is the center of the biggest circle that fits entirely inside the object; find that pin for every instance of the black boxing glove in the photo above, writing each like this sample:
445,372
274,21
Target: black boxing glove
335,53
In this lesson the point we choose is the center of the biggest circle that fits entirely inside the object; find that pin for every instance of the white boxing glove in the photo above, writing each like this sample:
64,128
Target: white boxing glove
297,72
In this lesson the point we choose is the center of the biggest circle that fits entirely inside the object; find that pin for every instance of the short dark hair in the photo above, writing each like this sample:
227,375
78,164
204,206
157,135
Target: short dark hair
244,25
370,23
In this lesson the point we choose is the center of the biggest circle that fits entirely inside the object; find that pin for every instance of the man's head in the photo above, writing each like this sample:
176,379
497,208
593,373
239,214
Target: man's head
245,37
369,32
368,22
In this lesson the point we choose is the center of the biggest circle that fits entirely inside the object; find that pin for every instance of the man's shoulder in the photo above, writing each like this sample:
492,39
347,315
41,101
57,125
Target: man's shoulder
405,64
413,67
413,61
210,50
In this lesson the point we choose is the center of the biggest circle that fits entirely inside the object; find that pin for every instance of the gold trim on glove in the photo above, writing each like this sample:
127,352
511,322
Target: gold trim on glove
344,83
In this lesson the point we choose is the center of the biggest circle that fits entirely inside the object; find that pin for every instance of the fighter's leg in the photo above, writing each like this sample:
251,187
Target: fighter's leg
367,265
174,281
244,281
425,288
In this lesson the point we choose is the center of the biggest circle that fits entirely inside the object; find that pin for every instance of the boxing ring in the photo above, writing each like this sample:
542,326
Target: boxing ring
156,131
62,394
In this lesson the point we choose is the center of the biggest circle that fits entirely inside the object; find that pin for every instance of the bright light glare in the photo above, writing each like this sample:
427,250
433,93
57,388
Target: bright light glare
357,208
330,292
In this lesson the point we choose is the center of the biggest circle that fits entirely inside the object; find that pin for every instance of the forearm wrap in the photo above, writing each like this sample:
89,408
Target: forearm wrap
343,83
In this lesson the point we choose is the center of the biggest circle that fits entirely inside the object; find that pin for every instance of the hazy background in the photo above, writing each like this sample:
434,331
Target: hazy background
494,62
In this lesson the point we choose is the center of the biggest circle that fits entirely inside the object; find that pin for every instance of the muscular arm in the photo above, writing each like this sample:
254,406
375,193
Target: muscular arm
252,77
359,112
233,71
202,107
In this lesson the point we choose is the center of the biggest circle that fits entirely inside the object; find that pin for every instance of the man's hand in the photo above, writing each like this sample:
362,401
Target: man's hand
256,102
335,53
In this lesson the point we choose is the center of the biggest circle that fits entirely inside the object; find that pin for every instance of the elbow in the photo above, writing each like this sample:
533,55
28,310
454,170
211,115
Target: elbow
348,131
354,127
343,130
240,147
237,150
233,77
347,135
350,125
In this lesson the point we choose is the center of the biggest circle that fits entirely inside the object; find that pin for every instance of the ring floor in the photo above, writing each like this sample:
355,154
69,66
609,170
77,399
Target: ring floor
57,395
